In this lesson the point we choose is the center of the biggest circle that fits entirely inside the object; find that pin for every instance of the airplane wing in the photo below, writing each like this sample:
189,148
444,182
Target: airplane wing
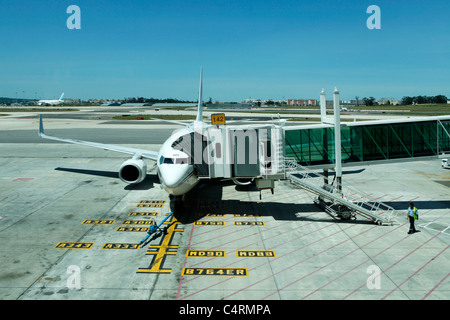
172,121
152,155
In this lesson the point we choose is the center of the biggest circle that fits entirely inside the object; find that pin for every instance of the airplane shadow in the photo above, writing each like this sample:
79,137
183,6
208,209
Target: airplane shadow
420,205
147,184
206,199
107,174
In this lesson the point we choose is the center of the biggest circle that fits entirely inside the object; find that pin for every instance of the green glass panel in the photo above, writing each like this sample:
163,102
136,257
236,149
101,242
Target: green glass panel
369,142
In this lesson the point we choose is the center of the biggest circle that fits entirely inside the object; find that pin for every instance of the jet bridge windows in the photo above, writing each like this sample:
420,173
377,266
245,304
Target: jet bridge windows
367,142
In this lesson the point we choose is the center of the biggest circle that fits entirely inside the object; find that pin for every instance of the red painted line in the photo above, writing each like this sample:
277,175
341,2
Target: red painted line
234,262
220,236
184,264
396,198
194,293
365,261
362,197
379,197
434,288
351,293
343,274
206,260
257,242
371,257
296,238
211,228
305,276
23,179
276,258
266,262
271,276
407,279
256,233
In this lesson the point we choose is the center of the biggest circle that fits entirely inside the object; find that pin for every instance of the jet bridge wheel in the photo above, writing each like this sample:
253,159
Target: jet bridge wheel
344,213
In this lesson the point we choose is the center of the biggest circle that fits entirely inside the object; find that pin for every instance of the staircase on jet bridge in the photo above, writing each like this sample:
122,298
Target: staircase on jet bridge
346,203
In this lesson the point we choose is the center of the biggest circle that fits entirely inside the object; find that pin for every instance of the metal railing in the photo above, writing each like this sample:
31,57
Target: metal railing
356,200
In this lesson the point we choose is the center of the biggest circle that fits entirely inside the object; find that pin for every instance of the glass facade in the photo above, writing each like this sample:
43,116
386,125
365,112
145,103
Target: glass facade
359,143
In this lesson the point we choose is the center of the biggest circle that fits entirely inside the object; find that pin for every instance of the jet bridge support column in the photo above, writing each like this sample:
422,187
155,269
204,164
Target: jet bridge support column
337,140
323,107
325,177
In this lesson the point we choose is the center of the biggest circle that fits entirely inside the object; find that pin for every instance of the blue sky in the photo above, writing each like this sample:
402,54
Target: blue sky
259,49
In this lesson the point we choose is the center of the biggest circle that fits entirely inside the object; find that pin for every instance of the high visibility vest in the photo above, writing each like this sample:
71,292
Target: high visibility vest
414,213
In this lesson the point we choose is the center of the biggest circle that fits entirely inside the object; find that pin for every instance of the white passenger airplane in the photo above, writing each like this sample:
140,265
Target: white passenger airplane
175,171
51,102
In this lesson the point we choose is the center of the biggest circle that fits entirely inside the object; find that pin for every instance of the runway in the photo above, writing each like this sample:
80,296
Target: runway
69,229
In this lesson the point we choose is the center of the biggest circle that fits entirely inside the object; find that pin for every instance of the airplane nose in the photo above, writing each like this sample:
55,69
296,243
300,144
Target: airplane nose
170,180
173,176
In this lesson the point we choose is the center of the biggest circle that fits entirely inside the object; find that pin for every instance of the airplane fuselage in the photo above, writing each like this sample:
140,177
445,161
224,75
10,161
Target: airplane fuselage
49,102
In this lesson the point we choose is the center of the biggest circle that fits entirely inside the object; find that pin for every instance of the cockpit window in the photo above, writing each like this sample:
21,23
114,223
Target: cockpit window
182,160
174,160
168,160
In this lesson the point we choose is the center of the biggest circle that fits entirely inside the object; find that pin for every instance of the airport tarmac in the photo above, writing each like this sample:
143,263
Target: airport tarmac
70,229
256,115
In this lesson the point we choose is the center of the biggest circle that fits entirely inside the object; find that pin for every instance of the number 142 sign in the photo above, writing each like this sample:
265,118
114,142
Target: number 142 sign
218,118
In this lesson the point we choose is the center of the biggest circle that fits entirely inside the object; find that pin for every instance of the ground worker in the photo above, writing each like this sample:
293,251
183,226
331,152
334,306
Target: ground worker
412,214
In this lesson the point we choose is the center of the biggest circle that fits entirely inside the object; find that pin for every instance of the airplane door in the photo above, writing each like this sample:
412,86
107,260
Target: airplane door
246,155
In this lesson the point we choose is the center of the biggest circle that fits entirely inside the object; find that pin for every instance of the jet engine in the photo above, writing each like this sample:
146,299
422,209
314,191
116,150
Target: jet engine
133,171
244,182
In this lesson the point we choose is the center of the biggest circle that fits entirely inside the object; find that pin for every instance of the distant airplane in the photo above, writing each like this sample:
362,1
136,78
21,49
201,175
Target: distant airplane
51,102
175,171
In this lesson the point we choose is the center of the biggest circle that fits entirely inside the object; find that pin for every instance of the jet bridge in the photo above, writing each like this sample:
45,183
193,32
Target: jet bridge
258,153
254,153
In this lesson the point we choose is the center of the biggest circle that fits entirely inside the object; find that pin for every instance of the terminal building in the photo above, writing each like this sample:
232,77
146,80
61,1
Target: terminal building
229,106
302,102
174,105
